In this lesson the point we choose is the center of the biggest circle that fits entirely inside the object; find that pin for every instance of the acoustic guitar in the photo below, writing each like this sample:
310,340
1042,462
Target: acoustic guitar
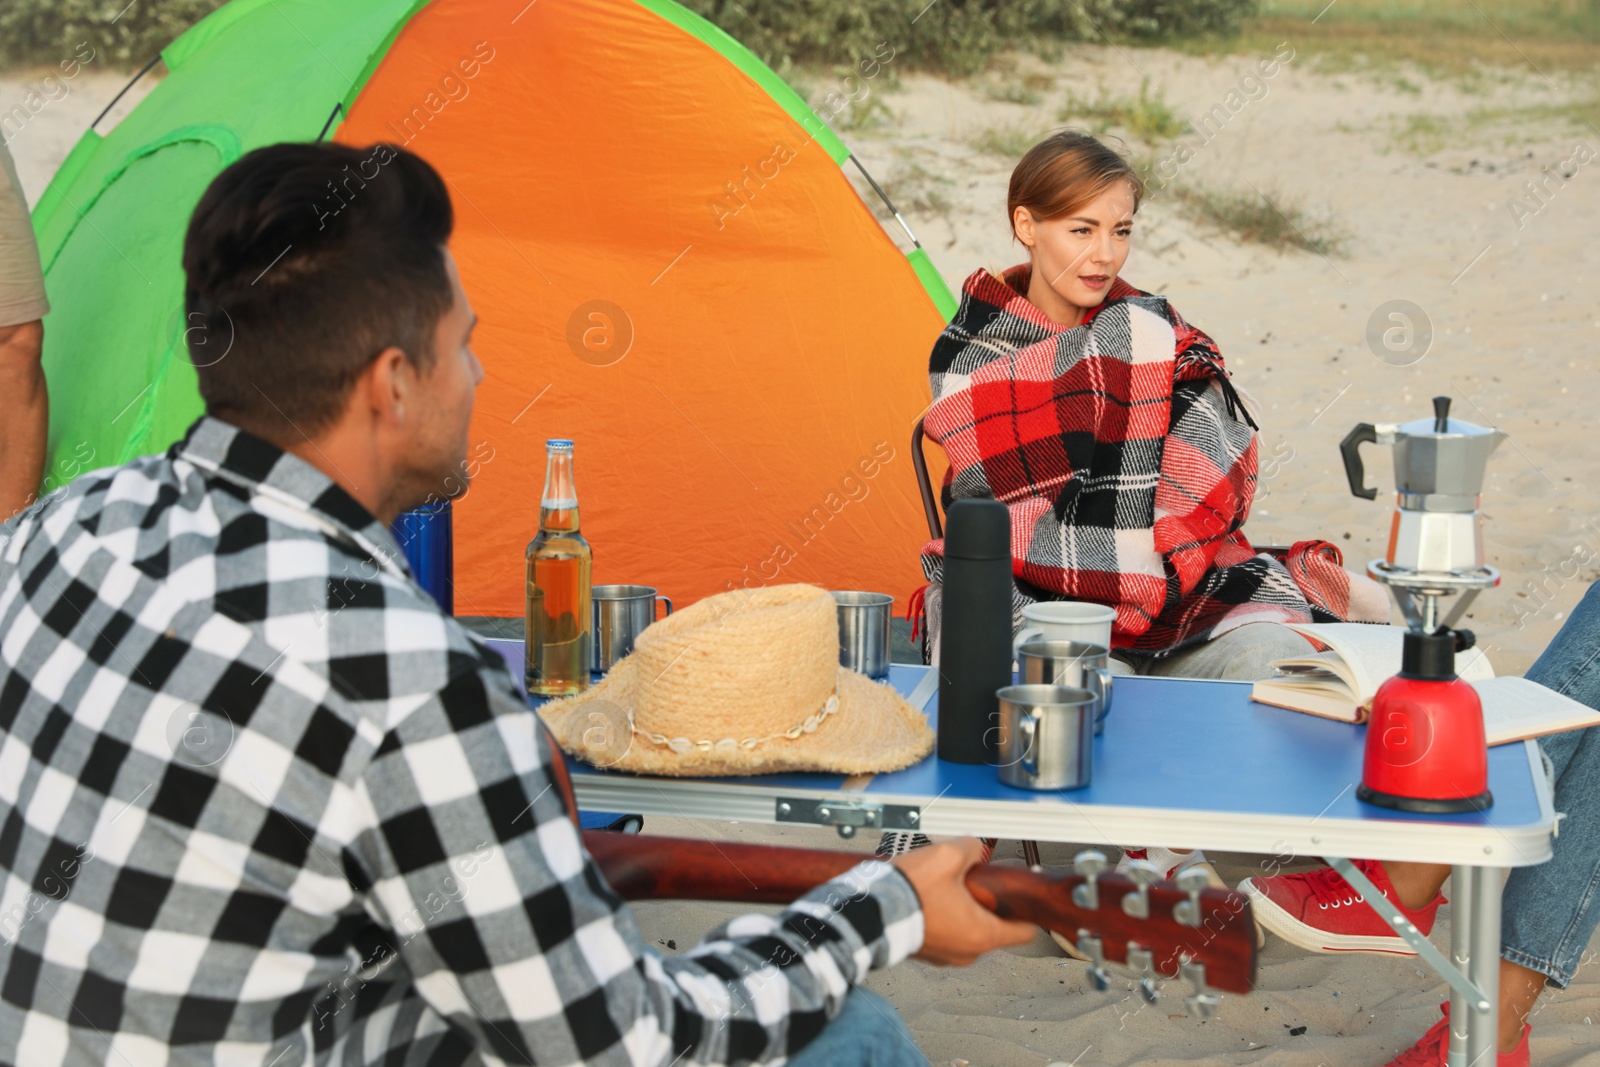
1154,927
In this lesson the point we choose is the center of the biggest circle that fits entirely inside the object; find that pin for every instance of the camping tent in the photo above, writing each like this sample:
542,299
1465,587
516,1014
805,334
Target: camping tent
668,262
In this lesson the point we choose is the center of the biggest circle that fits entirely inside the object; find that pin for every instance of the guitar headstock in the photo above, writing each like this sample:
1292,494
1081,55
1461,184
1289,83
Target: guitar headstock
1158,929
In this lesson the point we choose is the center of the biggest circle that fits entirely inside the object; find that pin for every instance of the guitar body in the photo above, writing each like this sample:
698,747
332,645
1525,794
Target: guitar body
1164,927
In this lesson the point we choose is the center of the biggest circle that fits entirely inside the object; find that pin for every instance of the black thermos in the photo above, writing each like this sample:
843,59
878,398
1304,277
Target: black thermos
975,634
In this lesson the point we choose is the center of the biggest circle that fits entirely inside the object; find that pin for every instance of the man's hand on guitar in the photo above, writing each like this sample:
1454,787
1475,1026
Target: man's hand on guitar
957,929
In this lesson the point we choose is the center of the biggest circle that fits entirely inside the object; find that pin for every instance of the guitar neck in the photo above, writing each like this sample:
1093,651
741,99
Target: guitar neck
645,867
642,867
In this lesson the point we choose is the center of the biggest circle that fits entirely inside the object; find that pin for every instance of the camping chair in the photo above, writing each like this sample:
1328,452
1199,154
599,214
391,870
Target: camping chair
930,509
930,503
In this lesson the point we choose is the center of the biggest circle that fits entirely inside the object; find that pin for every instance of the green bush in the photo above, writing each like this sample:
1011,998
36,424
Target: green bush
955,36
121,33
1149,117
1262,216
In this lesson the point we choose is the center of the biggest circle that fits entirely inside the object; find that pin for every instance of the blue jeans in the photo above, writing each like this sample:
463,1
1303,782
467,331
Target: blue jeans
867,1033
1550,911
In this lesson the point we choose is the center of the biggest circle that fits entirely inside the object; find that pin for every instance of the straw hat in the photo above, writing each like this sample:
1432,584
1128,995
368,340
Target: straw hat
746,682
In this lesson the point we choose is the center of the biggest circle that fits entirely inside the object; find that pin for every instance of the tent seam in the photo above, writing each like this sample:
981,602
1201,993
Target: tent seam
221,138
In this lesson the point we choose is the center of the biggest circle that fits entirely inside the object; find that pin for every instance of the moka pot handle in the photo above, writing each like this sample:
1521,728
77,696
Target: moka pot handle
1350,449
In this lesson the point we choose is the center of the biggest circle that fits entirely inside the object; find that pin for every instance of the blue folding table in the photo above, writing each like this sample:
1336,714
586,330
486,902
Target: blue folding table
1186,764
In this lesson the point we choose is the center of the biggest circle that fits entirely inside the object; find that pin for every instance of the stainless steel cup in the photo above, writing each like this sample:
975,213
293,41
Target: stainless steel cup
1046,736
1078,664
621,612
864,631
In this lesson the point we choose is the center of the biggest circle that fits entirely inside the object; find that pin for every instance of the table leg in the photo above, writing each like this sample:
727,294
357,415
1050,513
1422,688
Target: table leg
1475,946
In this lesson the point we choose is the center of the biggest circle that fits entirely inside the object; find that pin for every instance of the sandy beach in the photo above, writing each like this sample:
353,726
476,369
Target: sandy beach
1427,184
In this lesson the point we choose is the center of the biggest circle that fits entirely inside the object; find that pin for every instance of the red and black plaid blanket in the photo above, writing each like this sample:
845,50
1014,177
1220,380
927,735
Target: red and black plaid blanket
1127,460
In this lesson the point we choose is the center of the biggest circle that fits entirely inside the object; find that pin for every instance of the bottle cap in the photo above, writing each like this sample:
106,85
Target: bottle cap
977,528
558,442
1428,656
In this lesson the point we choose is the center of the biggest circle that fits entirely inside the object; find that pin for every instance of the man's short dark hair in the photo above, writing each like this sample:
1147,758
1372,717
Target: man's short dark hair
303,262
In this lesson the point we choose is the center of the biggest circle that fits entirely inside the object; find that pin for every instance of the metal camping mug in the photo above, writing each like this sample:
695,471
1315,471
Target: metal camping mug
1077,664
1046,736
864,631
621,612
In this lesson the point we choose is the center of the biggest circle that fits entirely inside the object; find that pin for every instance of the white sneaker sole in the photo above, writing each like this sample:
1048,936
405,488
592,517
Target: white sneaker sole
1269,916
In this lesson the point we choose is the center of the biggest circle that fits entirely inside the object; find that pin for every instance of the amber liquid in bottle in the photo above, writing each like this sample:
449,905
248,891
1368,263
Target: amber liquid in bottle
558,621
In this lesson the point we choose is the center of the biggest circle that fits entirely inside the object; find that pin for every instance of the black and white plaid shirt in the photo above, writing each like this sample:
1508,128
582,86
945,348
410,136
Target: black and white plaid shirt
261,803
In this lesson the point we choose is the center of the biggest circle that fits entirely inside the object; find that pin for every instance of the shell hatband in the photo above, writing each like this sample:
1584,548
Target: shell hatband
682,745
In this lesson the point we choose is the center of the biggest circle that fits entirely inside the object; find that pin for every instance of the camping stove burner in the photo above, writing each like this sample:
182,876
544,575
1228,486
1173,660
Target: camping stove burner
1418,592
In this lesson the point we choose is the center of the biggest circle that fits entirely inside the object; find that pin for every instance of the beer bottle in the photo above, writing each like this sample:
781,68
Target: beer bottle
558,623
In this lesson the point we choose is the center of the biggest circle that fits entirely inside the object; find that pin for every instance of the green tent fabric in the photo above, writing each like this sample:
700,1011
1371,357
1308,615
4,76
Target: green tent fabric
111,222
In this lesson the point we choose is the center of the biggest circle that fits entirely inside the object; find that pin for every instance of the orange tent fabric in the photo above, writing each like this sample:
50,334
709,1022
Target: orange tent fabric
671,270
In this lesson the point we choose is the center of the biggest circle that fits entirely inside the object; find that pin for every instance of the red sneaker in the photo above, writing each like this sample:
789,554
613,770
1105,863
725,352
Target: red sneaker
1170,861
1434,1048
1320,911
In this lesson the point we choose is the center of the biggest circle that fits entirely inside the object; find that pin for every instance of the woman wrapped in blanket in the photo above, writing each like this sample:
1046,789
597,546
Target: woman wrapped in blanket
1109,427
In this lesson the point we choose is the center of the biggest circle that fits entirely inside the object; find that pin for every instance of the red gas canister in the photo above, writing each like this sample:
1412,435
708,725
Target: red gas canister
1425,742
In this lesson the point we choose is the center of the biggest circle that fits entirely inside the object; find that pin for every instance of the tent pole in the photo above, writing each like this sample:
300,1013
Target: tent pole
142,71
879,189
331,116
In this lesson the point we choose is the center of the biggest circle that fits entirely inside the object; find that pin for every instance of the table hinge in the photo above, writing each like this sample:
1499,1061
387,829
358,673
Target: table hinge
849,815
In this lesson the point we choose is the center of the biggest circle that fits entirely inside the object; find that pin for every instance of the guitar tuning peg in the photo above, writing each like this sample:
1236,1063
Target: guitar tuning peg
1194,881
1144,874
1093,949
1089,864
1142,962
1202,1004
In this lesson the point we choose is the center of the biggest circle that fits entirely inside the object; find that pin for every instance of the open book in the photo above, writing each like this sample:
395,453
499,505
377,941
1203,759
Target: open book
1339,683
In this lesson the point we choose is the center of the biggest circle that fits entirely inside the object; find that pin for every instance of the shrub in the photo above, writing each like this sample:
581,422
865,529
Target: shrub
1008,142
1014,88
952,36
1265,217
1149,117
121,33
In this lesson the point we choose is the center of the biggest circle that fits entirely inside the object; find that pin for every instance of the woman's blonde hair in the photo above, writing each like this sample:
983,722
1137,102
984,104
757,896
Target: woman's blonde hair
1065,171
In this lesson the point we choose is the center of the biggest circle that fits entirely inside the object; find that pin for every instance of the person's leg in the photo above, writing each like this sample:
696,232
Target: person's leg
1571,663
867,1033
24,411
1519,988
1416,883
1244,654
1550,911
1570,666
1122,667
